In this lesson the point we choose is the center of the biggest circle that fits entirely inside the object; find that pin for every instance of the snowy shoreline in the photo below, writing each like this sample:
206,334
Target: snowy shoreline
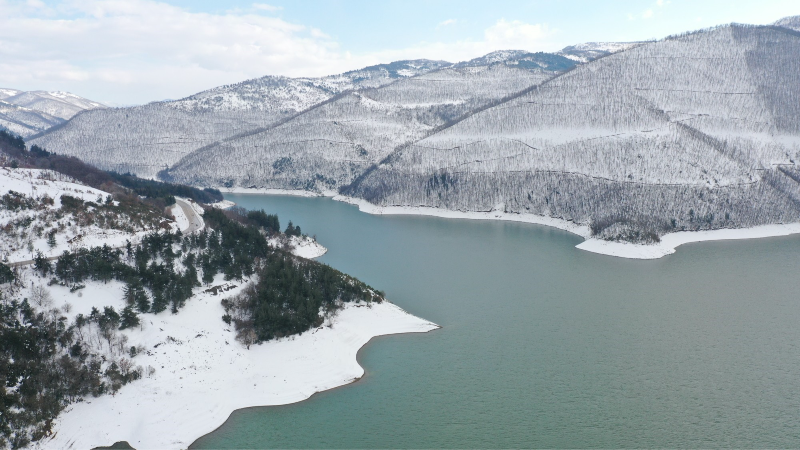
203,374
667,246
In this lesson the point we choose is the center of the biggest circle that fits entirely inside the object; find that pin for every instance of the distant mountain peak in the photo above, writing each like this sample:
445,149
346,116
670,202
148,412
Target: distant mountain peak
791,22
522,59
589,51
29,113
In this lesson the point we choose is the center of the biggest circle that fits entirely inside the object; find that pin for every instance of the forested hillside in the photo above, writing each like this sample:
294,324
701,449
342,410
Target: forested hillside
30,113
695,131
333,143
54,353
144,140
692,132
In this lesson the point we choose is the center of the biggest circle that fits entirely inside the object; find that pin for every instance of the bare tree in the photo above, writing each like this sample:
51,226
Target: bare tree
41,297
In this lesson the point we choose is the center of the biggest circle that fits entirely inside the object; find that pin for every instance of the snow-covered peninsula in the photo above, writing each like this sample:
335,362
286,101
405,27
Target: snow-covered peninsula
202,374
192,366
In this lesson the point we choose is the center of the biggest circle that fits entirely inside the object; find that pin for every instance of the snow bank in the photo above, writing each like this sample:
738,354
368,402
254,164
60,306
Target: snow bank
202,374
365,206
307,248
620,249
297,193
667,246
38,183
671,241
180,216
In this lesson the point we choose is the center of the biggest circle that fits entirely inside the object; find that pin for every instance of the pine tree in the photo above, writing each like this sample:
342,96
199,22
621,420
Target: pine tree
129,318
159,302
141,300
41,264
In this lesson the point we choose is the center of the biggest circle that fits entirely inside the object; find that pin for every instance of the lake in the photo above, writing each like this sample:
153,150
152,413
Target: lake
545,345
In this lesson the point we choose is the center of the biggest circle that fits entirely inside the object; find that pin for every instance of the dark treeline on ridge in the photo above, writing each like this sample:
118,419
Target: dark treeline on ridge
39,158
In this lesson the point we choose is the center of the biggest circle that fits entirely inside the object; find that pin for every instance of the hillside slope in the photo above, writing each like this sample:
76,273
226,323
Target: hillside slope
146,139
25,121
692,132
63,105
30,113
329,145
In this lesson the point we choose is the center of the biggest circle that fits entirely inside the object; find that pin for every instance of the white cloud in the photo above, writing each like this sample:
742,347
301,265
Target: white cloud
271,8
152,49
503,35
515,34
651,12
445,23
135,51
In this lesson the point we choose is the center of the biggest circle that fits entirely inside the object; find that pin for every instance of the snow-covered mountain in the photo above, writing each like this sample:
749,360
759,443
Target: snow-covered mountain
5,93
696,131
331,144
57,104
149,138
29,113
25,121
792,22
282,95
589,51
522,59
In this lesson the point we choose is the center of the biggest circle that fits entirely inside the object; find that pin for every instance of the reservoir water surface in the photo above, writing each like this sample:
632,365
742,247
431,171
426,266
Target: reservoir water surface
545,345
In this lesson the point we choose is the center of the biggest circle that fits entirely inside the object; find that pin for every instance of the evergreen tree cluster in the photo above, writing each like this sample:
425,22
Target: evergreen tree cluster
158,189
159,193
292,295
44,368
161,272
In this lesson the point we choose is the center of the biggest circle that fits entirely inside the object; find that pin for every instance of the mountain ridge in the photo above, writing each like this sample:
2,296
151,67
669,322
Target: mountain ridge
33,112
699,130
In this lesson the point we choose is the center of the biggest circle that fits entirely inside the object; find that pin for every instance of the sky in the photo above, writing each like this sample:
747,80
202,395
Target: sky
126,52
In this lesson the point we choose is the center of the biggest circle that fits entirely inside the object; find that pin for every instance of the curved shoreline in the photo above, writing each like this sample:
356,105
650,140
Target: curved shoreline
667,246
206,375
341,386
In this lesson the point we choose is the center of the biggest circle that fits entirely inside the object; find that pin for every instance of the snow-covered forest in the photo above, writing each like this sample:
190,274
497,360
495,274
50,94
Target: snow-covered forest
30,113
695,131
85,272
328,146
147,139
692,132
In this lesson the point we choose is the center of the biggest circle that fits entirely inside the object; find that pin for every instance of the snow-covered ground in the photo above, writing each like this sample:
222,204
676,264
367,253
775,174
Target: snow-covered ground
37,184
224,204
297,193
365,206
202,373
669,242
40,183
667,246
307,247
195,372
302,246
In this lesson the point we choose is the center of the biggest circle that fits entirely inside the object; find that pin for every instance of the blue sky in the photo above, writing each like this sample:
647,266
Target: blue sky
366,26
135,51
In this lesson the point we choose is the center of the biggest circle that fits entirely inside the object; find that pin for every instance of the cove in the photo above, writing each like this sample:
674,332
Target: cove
545,345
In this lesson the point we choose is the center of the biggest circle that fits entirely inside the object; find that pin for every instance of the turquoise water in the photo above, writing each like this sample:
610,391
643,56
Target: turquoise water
545,345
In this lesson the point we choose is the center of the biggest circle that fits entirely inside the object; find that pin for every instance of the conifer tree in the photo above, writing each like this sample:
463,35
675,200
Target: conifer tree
129,318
